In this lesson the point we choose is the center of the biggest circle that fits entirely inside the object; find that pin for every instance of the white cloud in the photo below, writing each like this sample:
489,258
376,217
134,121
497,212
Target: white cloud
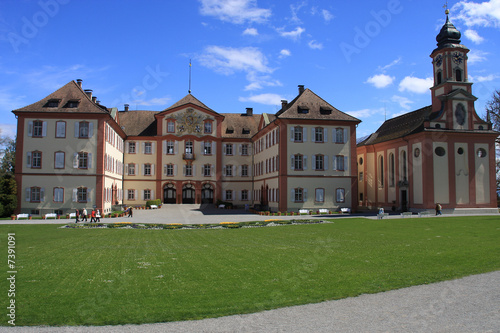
268,99
153,101
473,36
260,81
397,114
380,80
295,9
251,32
227,60
403,102
475,56
315,45
327,15
416,85
235,11
484,14
8,130
383,69
486,78
294,34
285,53
365,113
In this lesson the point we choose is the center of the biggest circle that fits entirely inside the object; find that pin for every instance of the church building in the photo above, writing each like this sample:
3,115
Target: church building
442,153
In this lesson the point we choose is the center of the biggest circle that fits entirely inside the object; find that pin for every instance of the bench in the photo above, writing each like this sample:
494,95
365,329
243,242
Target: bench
72,215
345,210
222,206
303,211
323,211
423,214
381,216
22,216
154,206
54,215
404,214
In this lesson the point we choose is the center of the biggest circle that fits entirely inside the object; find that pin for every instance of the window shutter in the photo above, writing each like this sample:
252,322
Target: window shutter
224,170
28,160
176,147
75,195
44,128
142,195
325,135
334,162
193,170
234,170
165,169
152,169
75,160
143,169
91,129
28,194
313,166
239,170
77,129
304,134
293,162
305,194
213,147
212,170
202,147
164,144
346,163
305,162
313,135
224,195
292,198
183,170
325,161
127,147
126,169
30,128
152,194
224,149
143,144
346,135
89,161
292,134
42,194
175,169
239,149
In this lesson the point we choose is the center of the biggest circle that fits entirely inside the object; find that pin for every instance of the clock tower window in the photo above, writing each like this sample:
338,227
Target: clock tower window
439,78
458,74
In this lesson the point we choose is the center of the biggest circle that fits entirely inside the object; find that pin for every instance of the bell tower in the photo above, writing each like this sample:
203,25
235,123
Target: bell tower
449,62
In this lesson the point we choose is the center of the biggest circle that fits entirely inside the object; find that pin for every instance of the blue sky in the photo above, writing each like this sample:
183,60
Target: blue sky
367,58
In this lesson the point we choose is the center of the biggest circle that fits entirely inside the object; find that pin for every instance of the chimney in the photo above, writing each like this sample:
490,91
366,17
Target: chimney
98,102
79,82
94,99
284,103
88,92
249,111
126,107
301,89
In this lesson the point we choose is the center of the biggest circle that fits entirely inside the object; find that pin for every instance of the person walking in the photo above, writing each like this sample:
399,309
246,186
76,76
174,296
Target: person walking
130,211
98,216
438,209
92,216
77,215
84,215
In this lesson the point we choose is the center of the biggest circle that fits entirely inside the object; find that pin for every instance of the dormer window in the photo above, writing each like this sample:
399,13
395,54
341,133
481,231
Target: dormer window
52,103
302,110
245,131
229,130
323,110
72,104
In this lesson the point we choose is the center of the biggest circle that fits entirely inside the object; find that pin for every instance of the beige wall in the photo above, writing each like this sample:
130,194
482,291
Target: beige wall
462,173
441,171
482,174
330,185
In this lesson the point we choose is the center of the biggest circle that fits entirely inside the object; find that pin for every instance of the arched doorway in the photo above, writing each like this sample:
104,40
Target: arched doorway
169,194
207,194
188,194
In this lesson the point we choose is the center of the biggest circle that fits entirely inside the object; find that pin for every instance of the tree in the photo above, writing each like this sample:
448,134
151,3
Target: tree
493,112
8,153
8,187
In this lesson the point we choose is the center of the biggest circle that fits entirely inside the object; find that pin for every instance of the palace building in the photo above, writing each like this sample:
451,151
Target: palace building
76,153
443,153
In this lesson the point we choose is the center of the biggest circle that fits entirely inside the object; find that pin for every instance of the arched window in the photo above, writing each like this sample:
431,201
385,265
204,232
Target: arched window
439,78
380,171
391,170
404,166
458,75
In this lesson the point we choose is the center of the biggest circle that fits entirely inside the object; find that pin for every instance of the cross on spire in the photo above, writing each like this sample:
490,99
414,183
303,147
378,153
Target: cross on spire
447,11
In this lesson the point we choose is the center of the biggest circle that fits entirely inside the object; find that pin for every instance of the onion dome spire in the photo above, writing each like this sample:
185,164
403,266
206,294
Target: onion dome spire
449,36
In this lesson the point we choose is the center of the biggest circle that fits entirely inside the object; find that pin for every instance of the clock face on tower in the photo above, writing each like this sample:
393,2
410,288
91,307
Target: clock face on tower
458,58
439,60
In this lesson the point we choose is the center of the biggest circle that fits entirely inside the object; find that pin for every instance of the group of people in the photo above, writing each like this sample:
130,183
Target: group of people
95,215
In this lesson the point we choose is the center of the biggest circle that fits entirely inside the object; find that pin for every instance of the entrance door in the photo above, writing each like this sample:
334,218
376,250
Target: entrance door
169,194
404,200
207,194
188,195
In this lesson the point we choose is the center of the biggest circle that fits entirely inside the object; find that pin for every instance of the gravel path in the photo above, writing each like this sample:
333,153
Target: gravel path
470,304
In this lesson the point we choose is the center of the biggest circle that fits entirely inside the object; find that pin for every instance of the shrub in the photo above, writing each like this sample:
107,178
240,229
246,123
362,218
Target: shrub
153,202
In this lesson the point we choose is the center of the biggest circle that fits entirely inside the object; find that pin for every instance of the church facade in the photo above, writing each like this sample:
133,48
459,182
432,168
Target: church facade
77,153
443,153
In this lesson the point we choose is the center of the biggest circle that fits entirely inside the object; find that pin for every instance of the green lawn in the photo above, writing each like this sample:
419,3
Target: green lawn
106,276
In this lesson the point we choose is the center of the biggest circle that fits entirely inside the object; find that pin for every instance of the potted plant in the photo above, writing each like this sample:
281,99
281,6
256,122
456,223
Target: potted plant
13,217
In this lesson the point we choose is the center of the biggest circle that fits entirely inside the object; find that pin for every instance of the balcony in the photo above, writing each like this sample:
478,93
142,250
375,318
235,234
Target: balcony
188,156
